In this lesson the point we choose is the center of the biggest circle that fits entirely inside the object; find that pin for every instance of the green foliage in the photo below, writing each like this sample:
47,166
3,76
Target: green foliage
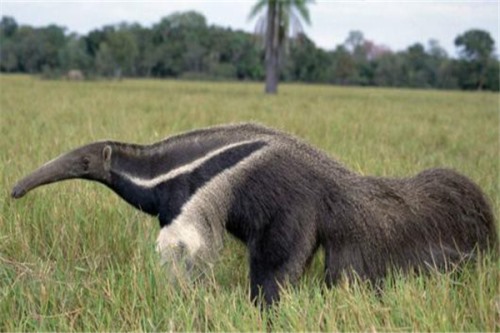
75,257
475,44
288,15
281,19
8,26
74,55
306,62
477,60
183,45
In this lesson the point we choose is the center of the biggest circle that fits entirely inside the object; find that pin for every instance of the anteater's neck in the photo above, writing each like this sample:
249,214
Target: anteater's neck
138,171
131,162
160,179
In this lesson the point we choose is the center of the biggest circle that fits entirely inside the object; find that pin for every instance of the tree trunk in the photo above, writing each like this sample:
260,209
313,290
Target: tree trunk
272,49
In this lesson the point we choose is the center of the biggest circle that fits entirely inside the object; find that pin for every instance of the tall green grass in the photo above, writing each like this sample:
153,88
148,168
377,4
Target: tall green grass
73,256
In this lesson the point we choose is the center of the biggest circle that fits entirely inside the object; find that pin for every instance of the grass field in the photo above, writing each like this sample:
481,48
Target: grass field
73,256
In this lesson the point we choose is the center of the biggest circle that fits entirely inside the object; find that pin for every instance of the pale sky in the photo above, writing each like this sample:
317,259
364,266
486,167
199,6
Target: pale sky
396,24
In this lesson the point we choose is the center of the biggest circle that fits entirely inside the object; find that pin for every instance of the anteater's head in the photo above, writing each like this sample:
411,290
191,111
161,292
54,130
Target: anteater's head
92,161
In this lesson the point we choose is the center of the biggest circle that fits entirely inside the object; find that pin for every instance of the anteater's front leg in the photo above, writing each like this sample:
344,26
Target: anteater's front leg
177,255
186,248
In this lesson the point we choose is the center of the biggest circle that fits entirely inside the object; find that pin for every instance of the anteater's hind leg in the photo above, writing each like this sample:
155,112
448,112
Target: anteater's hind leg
347,260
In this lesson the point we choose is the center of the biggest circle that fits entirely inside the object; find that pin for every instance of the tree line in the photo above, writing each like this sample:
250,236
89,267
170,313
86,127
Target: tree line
183,45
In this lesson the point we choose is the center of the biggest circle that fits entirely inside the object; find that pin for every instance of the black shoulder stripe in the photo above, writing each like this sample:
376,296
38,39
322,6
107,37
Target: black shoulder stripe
177,191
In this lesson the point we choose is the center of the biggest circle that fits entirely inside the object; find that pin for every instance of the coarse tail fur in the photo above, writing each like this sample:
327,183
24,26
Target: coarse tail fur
284,199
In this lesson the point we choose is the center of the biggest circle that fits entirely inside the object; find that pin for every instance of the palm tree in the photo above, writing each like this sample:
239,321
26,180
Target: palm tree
282,19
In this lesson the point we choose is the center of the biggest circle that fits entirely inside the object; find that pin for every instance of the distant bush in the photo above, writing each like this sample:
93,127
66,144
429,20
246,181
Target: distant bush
183,45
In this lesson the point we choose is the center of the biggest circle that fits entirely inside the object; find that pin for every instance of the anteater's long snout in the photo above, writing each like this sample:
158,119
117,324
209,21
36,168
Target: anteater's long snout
56,170
18,191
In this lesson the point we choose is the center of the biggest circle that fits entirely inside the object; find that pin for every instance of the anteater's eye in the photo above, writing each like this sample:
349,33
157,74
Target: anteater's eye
85,163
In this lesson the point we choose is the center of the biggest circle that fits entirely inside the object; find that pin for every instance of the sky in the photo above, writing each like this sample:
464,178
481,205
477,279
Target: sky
395,24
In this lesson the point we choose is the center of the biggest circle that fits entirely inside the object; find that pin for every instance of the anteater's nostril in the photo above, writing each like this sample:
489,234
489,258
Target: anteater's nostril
17,192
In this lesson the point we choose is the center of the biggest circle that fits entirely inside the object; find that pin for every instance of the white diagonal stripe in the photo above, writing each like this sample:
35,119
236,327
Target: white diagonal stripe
150,183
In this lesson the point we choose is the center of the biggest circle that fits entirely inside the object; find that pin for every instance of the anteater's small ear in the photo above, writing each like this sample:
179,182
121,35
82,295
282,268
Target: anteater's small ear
106,153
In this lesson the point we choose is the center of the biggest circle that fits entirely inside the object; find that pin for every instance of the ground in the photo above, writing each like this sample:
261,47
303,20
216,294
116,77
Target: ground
73,256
